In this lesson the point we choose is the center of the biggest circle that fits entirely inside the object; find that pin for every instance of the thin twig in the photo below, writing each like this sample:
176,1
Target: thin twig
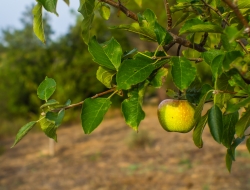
169,56
80,103
242,45
169,46
176,38
178,50
216,11
204,40
167,8
237,12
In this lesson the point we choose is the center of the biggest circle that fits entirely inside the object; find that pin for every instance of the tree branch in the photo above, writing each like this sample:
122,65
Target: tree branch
80,103
169,56
242,45
176,39
167,8
237,12
216,11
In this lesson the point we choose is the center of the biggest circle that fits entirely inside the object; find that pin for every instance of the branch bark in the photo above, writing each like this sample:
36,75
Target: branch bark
176,38
237,12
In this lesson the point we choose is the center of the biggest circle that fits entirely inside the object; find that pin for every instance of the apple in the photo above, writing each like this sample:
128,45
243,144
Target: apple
176,115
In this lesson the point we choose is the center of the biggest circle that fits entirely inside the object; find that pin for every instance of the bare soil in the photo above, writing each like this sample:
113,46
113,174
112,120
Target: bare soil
114,157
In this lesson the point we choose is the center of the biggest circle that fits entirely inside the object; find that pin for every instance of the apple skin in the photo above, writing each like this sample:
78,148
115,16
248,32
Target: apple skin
176,115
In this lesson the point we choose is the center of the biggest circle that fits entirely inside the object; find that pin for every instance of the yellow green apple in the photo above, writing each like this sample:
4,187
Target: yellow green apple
176,115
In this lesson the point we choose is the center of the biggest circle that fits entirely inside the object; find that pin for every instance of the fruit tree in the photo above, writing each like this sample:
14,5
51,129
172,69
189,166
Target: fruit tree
213,33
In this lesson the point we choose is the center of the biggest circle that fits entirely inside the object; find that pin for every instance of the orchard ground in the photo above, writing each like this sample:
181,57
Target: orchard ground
114,157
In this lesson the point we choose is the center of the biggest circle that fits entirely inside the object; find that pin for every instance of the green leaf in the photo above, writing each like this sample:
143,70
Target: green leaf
132,107
49,128
23,131
216,65
199,108
243,4
162,35
66,1
145,32
237,80
210,55
230,57
49,5
105,76
194,90
134,71
104,11
222,84
87,10
183,72
38,22
157,80
248,144
46,88
229,122
229,161
243,124
197,25
51,102
107,54
215,123
93,111
236,143
183,17
138,2
236,106
56,118
198,130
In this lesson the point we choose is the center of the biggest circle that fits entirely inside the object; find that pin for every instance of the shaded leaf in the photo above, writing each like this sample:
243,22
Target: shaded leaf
243,124
222,84
236,143
23,131
248,144
198,130
38,22
230,57
229,122
93,111
46,88
215,123
216,65
49,5
197,25
51,102
210,55
162,35
229,161
183,72
87,10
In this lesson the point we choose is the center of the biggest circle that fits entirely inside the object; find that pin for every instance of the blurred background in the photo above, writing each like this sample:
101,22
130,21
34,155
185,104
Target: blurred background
113,156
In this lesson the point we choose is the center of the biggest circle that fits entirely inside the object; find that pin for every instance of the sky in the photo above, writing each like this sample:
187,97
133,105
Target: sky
11,11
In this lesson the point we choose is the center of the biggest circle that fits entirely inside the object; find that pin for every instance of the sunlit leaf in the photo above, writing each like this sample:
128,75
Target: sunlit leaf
38,22
93,111
243,124
105,76
23,131
46,88
183,72
107,54
104,11
158,78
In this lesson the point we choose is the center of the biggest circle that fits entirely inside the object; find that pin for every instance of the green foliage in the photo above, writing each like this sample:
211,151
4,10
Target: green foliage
215,37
